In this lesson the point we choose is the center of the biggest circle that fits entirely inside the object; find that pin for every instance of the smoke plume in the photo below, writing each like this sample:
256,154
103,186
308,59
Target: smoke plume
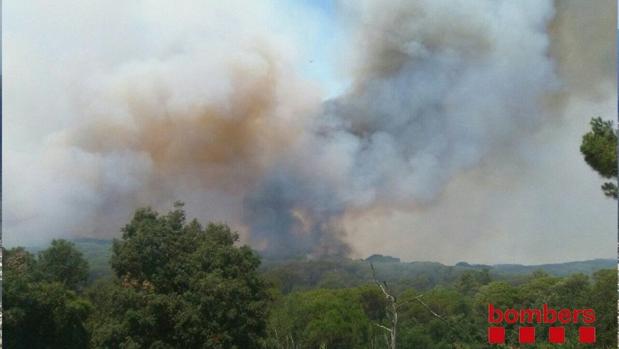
208,105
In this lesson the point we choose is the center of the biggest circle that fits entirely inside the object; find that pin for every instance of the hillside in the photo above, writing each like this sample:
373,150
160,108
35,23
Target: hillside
298,274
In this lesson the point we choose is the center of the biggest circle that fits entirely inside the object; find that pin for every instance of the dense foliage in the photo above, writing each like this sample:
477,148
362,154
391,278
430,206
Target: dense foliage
599,147
453,316
41,304
178,284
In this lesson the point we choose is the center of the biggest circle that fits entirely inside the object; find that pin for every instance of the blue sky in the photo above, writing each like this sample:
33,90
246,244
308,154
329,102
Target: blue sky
322,44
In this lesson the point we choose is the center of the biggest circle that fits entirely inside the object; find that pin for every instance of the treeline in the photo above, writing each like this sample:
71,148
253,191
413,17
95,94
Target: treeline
302,274
452,316
179,284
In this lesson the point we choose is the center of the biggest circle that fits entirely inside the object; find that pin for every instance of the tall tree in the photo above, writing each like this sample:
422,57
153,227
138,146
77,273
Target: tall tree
392,311
599,147
180,284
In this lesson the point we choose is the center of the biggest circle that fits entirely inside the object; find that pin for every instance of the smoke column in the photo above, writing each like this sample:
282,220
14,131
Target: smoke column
212,110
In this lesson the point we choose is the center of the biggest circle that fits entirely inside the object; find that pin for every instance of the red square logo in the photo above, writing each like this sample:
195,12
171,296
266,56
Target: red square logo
526,335
496,335
556,335
586,334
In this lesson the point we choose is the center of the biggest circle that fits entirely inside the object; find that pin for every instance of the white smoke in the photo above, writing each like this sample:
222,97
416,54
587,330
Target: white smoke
207,104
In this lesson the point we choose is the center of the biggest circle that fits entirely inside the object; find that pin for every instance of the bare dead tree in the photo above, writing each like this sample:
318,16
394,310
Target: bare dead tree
392,311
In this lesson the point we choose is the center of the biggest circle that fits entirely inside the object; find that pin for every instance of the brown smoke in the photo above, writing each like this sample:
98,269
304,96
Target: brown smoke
419,71
442,94
222,145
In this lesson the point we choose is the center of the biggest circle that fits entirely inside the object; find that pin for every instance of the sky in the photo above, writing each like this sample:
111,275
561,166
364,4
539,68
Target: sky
426,130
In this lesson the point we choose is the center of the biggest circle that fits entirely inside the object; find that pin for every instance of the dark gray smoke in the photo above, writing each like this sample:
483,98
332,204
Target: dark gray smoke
293,214
433,95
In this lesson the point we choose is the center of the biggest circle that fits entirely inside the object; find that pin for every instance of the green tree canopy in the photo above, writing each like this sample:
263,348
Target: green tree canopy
41,310
63,263
599,147
603,299
180,284
326,318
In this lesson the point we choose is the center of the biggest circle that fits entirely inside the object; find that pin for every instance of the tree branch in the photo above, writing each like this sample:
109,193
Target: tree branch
384,327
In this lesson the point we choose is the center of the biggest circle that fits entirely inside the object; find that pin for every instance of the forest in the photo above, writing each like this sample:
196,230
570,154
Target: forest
315,143
178,284
170,282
